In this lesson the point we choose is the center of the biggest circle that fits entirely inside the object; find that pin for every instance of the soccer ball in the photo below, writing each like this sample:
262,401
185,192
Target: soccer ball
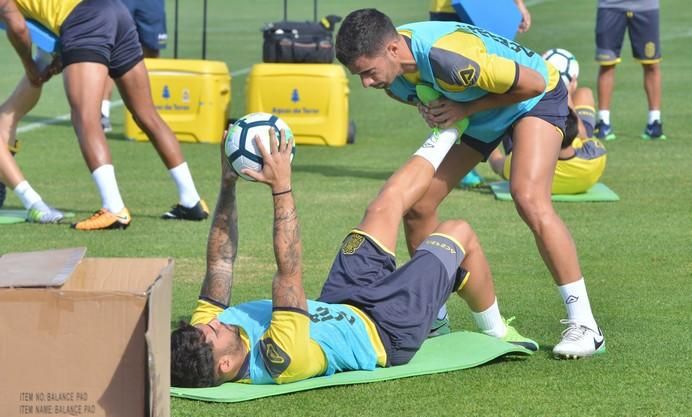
565,62
239,145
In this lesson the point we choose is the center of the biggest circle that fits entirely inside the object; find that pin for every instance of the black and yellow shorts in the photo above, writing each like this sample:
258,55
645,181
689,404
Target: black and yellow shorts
403,302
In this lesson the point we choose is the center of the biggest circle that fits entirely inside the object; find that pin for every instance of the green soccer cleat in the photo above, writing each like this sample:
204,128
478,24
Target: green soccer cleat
440,327
654,131
44,214
604,131
512,336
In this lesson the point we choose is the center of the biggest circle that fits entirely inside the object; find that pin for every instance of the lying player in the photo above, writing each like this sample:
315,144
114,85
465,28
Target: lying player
582,158
369,313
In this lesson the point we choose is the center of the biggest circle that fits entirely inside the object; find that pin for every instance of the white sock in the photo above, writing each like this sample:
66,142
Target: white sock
26,194
577,303
654,115
604,116
437,145
104,177
187,193
490,321
106,108
442,313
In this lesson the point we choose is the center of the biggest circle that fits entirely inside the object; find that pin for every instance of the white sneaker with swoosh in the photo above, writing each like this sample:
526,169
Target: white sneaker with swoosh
579,341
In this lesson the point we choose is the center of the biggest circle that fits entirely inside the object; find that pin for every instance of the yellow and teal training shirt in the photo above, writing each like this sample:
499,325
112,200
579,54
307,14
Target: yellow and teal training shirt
49,13
464,63
288,345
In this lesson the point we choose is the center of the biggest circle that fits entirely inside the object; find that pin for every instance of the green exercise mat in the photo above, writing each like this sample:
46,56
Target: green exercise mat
598,192
10,216
459,350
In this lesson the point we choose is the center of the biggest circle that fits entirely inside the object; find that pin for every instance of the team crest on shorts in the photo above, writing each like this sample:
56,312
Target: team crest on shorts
352,243
650,49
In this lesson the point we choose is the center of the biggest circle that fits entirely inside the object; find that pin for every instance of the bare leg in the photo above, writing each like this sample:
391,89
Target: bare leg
496,160
479,291
136,93
536,147
22,100
421,219
108,90
652,85
606,82
583,97
404,187
81,80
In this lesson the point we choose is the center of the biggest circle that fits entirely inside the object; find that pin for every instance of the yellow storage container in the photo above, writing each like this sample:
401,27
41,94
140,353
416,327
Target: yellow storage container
192,96
311,98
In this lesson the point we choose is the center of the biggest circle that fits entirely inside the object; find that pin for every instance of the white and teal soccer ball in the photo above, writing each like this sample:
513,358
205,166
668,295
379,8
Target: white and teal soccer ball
565,62
239,145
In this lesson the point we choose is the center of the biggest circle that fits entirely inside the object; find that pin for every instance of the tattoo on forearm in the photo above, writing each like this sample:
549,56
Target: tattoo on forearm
222,246
287,288
287,236
287,295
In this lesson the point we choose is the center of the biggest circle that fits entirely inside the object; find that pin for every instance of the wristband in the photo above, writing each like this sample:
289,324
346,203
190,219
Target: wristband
282,192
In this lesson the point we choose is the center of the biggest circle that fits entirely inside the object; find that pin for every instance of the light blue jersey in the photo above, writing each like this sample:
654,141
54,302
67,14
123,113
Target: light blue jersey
340,333
465,63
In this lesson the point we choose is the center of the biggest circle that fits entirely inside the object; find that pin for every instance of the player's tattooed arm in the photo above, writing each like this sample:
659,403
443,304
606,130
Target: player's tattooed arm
222,245
287,287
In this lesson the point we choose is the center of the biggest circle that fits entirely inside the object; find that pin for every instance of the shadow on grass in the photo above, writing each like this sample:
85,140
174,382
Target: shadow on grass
481,189
342,171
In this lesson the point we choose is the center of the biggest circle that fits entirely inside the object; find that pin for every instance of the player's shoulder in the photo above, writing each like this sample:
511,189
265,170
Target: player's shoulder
455,60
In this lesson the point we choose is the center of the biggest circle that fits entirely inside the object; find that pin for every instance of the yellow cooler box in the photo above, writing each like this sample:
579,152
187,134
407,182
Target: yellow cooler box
311,98
192,96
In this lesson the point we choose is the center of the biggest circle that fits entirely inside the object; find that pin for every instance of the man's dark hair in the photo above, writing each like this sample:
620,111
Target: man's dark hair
192,359
364,32
571,129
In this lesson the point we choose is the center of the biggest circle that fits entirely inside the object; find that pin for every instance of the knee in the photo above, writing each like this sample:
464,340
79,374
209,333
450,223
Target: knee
650,68
385,204
148,121
533,207
419,211
462,232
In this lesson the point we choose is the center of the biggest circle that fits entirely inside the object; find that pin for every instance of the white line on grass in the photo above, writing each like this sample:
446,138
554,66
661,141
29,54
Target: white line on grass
117,103
677,35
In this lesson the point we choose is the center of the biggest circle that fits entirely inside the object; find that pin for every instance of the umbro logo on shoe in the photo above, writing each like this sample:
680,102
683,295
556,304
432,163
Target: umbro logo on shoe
571,299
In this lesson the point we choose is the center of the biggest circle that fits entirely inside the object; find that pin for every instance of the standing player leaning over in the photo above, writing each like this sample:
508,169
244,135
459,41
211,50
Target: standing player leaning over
502,87
641,19
98,39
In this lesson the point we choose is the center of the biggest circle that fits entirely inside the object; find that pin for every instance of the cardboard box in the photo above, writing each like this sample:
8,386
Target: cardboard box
84,336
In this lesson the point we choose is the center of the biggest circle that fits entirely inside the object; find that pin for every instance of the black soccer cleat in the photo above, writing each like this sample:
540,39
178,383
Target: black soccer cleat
198,212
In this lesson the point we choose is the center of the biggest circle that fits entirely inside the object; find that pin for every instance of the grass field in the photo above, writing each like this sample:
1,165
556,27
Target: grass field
635,254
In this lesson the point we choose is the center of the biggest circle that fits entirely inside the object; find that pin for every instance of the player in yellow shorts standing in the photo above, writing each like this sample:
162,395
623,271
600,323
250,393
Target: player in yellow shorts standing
582,158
